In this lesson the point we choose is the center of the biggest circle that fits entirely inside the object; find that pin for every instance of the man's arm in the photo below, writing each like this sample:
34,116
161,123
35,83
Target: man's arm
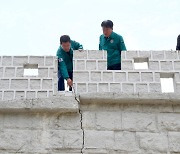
122,46
76,45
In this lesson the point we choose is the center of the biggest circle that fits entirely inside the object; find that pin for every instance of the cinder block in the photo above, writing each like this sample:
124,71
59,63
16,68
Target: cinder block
36,60
153,65
155,87
171,55
19,72
131,54
95,54
145,54
127,65
103,87
47,84
108,76
159,55
49,61
4,84
166,65
7,61
88,119
141,88
91,65
19,84
153,141
95,76
41,94
177,65
102,64
19,95
30,94
119,76
177,87
174,141
127,87
43,72
80,76
35,83
51,73
168,122
80,64
133,76
20,60
8,95
115,87
126,142
123,55
80,54
0,61
1,72
146,76
92,87
1,95
81,88
98,139
9,72
156,77
106,120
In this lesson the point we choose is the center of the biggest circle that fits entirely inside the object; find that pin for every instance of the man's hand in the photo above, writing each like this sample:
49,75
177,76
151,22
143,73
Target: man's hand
69,82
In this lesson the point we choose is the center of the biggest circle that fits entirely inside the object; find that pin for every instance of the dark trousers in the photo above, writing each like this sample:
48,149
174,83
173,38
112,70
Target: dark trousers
61,81
115,67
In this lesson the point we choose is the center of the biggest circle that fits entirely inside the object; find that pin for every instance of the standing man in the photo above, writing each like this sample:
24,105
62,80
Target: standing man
178,43
65,61
113,43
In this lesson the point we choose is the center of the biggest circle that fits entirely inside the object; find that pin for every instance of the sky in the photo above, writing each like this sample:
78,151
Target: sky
33,27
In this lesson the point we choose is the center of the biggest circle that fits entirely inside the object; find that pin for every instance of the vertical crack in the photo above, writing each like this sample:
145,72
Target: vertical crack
80,112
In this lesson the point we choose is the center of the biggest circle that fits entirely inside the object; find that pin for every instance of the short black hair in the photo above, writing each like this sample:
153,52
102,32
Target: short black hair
64,38
107,24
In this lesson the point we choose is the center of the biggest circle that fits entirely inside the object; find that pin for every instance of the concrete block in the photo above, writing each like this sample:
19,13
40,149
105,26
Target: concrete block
145,54
127,65
81,88
92,87
133,121
107,76
177,65
141,88
19,95
37,60
133,76
146,76
155,87
9,72
174,141
19,84
1,72
20,60
159,55
102,64
91,65
6,60
49,60
115,87
4,84
127,87
41,94
35,84
19,72
43,72
119,76
80,54
89,120
95,54
166,65
171,54
131,54
153,65
8,95
30,94
1,95
47,84
103,87
80,76
95,76
153,141
80,64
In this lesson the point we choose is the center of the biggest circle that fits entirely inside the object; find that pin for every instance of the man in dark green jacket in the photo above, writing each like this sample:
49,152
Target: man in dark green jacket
113,43
65,61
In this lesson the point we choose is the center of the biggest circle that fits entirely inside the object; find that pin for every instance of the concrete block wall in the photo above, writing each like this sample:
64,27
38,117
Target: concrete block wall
91,74
13,83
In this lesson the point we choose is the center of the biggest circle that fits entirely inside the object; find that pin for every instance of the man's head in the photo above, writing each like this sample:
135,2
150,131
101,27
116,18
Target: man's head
65,42
107,27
